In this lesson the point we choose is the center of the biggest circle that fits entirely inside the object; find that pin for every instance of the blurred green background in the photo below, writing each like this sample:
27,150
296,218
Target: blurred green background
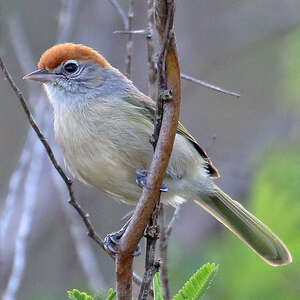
274,198
252,47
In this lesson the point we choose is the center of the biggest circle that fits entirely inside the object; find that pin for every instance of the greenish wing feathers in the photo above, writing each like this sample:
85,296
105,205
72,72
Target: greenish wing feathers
148,107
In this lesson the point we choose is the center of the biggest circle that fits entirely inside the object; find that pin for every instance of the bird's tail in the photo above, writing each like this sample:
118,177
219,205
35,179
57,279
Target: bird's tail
246,227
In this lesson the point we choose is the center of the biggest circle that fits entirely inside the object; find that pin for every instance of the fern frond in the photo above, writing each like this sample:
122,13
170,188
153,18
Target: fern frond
198,284
111,294
77,295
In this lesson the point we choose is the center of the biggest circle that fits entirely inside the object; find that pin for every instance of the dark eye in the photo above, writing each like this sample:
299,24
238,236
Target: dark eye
71,67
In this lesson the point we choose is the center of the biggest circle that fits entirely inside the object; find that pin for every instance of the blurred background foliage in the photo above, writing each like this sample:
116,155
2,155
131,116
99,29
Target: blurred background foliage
291,68
248,46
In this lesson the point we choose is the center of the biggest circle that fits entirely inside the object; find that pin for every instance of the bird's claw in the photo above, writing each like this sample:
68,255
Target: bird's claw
141,180
112,241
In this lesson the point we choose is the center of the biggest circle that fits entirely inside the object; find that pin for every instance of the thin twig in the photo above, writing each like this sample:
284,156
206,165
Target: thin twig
120,11
84,251
151,267
36,128
163,249
129,44
209,85
127,23
152,67
138,32
172,222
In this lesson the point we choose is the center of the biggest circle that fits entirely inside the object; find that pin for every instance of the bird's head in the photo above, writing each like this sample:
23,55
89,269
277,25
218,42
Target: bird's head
72,71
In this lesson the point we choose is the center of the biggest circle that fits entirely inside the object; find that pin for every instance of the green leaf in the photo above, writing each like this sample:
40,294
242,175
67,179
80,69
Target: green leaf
77,295
157,287
111,294
197,285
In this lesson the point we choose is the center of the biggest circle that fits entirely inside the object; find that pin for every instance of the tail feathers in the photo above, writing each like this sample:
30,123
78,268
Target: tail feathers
246,227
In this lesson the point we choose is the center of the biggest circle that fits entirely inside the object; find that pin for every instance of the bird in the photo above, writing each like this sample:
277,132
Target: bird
103,124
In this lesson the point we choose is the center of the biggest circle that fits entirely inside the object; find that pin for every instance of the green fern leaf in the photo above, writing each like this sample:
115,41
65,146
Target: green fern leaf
157,287
111,294
198,284
77,295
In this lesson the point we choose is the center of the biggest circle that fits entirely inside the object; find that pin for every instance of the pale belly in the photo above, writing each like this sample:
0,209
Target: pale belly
109,160
108,169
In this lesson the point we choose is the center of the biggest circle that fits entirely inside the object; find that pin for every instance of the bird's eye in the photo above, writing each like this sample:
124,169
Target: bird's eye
71,67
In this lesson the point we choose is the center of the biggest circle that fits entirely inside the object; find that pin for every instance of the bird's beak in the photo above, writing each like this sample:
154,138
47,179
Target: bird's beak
42,75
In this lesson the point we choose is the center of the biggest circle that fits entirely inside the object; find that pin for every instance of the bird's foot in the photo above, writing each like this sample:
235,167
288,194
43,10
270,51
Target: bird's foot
112,242
141,180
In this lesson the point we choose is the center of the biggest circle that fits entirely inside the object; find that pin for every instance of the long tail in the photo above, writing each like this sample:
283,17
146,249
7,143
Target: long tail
247,227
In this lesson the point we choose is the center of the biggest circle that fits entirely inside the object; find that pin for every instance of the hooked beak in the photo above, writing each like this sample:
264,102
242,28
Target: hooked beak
42,75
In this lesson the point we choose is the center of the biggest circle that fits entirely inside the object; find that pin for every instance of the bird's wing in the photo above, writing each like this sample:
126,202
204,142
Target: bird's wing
213,172
148,106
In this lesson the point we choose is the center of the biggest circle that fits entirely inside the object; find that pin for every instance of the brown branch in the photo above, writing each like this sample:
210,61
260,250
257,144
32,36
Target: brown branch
169,80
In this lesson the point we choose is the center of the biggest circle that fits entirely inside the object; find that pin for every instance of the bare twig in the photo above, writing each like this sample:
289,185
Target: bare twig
35,127
139,31
151,267
85,254
163,249
150,194
129,44
127,23
174,217
152,67
209,85
120,11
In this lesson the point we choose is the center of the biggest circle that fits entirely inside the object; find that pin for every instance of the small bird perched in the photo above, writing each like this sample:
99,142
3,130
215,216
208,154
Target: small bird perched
103,125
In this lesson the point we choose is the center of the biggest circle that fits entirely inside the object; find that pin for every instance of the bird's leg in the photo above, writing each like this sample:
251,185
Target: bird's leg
141,180
112,240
